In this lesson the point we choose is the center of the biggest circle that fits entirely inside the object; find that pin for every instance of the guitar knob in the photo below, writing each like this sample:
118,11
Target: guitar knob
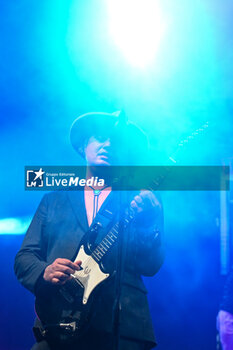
96,226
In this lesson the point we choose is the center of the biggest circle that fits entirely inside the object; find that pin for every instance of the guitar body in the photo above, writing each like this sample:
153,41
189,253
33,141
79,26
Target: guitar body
90,275
73,301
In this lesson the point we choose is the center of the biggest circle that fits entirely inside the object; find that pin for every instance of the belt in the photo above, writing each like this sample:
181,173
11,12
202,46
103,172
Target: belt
60,332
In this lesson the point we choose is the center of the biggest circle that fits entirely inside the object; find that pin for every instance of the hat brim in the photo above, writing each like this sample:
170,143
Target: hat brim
98,123
88,125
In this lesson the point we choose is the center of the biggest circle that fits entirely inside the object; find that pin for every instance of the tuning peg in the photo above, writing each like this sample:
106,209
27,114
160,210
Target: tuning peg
172,160
156,183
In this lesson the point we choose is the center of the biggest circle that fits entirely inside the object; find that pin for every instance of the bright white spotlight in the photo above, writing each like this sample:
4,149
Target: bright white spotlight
137,28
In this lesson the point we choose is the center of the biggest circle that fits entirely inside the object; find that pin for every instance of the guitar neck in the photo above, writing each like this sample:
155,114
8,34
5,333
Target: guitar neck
111,238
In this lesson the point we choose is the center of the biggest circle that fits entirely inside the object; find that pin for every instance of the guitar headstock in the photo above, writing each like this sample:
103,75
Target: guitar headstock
186,141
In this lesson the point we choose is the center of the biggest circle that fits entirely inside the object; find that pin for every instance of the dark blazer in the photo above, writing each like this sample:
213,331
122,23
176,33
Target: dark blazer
56,231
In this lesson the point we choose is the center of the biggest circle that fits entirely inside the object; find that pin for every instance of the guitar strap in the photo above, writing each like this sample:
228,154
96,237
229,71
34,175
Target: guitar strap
103,220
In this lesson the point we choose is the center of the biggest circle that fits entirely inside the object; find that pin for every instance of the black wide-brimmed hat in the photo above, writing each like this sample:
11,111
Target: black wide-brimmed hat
107,124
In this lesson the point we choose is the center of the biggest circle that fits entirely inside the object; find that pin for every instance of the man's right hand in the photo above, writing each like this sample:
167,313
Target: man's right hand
59,271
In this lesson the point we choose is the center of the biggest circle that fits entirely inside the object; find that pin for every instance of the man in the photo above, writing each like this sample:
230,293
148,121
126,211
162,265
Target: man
47,261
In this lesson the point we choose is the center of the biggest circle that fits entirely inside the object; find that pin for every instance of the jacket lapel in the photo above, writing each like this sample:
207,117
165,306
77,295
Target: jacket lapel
78,205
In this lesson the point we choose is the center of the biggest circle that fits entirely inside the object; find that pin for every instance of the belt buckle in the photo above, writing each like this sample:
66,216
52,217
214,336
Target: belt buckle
69,327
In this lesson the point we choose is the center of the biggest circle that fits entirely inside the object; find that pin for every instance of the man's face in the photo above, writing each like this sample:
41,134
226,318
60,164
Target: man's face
98,151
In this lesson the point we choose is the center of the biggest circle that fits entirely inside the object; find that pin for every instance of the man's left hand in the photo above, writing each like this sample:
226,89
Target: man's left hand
146,201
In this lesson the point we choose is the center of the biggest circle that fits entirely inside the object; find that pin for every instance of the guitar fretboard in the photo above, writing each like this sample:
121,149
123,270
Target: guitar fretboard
110,239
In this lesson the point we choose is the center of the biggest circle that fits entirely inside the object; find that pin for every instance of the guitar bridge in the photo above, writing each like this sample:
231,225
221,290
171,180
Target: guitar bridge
77,280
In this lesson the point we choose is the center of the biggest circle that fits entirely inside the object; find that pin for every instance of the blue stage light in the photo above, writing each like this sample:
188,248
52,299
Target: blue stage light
14,226
137,28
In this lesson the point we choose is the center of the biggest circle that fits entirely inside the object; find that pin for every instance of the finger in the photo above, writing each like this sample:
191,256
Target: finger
135,207
55,280
58,282
65,269
67,262
61,276
146,195
133,204
138,199
149,198
78,264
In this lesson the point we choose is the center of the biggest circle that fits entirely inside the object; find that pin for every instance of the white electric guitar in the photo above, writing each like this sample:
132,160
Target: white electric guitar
91,275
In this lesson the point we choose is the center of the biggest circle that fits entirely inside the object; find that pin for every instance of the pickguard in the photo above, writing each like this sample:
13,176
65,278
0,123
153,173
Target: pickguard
90,275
